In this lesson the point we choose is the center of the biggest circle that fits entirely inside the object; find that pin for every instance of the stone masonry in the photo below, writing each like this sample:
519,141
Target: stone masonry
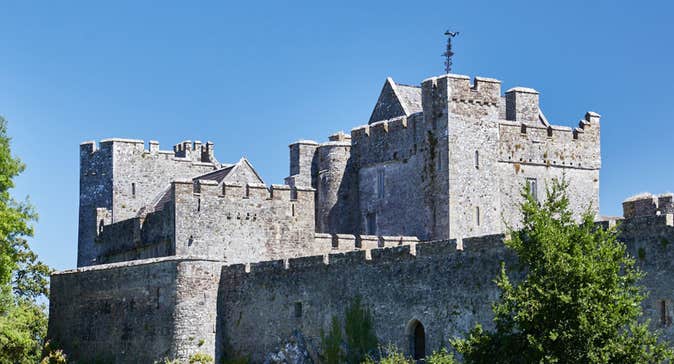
179,253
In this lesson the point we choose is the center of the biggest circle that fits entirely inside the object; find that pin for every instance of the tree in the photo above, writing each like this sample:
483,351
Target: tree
578,302
359,328
23,279
332,343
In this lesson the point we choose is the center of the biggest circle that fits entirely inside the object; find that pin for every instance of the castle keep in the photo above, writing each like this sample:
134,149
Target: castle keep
445,160
179,253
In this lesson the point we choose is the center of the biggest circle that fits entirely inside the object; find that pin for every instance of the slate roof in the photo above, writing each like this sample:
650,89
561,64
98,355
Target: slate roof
222,173
217,175
410,96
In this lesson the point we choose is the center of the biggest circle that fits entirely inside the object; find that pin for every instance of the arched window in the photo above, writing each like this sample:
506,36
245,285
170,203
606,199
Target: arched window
417,339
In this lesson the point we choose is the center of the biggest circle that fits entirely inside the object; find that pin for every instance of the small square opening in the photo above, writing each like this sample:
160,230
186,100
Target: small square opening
298,309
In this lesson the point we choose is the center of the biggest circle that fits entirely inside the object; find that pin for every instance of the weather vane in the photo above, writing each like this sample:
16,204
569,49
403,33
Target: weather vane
448,53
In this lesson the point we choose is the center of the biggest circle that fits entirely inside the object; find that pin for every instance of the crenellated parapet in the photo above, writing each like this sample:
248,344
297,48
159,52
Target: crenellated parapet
196,151
329,243
382,255
551,145
647,204
242,222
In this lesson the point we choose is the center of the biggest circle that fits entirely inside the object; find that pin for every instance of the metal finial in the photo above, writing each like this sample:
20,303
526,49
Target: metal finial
448,53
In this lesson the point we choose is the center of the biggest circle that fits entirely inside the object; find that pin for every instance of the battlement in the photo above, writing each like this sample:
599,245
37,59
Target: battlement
186,150
397,139
551,145
251,191
647,204
458,88
490,244
348,242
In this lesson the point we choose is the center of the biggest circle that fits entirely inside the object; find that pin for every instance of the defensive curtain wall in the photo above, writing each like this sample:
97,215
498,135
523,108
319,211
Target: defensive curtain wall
143,310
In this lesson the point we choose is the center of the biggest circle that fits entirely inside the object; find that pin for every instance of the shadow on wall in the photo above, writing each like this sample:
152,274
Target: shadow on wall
344,216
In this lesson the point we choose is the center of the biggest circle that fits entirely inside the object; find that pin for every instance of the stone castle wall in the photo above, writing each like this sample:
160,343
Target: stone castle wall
391,158
241,224
114,311
446,290
122,177
122,313
213,307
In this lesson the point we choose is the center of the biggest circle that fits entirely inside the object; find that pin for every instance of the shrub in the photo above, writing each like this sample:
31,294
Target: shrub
200,358
359,328
441,357
53,355
332,344
389,355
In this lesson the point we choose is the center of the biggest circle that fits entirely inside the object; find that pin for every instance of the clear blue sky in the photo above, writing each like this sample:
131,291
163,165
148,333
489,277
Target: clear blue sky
255,76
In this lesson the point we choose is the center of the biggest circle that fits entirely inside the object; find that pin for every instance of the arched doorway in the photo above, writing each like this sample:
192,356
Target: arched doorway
417,339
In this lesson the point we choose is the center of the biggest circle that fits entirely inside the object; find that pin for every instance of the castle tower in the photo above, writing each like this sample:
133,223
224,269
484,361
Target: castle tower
335,185
463,119
122,178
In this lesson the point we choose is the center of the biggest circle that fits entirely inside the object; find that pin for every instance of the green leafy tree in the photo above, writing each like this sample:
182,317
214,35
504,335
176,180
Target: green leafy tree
359,328
23,279
579,300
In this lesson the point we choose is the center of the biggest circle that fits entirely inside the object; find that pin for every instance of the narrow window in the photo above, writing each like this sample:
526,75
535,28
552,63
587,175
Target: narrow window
533,187
439,162
477,215
133,189
198,204
477,160
665,320
523,129
371,223
298,309
292,208
380,183
549,132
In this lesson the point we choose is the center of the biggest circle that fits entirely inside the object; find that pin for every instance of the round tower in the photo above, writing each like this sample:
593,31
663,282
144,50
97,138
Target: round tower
332,190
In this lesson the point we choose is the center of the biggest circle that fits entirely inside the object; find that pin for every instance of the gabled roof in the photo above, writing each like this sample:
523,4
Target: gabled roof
241,172
411,97
396,100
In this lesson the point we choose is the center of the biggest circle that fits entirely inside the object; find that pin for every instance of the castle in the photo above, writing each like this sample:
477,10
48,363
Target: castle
179,253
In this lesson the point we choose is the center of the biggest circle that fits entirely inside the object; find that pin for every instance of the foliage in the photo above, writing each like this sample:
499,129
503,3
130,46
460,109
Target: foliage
358,340
23,325
53,356
359,328
441,357
332,344
579,301
200,358
389,355
23,279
